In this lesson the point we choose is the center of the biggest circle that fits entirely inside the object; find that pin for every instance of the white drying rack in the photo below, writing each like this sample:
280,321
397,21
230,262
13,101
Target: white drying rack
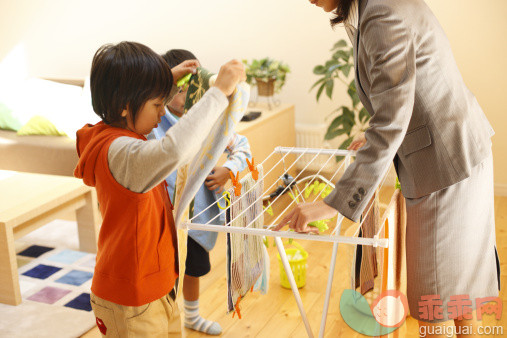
334,237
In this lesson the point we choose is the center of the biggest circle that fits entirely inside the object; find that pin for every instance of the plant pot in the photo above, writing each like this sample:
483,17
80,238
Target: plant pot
265,87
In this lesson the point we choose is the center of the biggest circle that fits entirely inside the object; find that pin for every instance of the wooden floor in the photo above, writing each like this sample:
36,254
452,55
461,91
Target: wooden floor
276,314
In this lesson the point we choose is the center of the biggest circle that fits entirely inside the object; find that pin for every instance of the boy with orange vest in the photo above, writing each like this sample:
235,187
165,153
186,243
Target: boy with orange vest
136,268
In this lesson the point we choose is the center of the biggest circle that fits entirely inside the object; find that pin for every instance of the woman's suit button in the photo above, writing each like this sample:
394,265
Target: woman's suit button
352,205
357,198
361,191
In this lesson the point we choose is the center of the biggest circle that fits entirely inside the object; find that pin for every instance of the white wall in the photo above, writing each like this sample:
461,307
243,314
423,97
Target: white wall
61,36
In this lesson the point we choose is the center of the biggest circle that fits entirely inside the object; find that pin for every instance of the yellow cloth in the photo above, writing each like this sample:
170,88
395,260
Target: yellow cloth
39,125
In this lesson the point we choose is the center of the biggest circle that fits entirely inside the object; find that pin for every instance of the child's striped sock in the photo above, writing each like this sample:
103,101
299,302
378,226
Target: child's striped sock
195,322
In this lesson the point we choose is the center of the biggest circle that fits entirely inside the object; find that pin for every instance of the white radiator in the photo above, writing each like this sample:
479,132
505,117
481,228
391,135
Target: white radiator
312,136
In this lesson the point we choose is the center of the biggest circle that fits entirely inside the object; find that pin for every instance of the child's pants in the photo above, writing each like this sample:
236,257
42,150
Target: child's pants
160,318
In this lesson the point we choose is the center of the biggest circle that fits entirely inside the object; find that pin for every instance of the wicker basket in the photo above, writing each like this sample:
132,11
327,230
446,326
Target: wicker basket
265,88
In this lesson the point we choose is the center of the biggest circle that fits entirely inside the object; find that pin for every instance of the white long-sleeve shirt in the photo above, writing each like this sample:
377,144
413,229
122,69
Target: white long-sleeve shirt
141,165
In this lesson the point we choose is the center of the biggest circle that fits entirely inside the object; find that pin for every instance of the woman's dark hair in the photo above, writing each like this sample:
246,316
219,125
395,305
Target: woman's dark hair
176,56
341,12
125,76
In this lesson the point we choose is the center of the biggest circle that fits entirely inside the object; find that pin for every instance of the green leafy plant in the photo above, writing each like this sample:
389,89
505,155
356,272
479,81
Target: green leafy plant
348,120
266,70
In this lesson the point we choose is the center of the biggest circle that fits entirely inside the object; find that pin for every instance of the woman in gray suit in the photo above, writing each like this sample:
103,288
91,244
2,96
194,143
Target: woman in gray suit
425,119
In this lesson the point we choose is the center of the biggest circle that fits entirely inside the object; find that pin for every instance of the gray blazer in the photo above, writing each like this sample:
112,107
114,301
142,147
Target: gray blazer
422,115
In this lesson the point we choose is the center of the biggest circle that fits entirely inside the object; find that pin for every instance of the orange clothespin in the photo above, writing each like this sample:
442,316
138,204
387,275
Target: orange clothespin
236,183
253,169
236,308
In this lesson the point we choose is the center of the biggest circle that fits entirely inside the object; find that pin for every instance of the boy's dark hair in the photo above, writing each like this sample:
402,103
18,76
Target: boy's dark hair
342,12
176,56
125,76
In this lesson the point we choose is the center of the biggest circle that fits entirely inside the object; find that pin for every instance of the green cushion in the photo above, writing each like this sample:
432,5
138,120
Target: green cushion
39,125
7,120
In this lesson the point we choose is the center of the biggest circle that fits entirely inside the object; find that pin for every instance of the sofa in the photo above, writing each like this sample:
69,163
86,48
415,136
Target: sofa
42,139
54,155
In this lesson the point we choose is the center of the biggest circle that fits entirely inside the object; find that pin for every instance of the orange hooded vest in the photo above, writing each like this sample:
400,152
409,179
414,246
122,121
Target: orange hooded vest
137,249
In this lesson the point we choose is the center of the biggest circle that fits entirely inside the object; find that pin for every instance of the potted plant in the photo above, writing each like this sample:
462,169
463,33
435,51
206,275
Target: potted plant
348,120
267,74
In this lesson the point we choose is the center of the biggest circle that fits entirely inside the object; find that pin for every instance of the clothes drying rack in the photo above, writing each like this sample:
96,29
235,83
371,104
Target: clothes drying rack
298,194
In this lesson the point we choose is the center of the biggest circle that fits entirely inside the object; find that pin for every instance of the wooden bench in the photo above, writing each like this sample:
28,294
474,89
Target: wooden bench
29,201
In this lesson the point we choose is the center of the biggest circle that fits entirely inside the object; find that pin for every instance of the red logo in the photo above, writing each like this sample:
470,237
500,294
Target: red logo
459,306
101,326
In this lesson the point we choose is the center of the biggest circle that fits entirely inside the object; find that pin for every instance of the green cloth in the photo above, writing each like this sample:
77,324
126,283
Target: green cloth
198,84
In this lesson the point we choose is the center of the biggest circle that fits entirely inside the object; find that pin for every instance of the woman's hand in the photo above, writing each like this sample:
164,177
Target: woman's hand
230,74
217,179
304,213
358,141
188,66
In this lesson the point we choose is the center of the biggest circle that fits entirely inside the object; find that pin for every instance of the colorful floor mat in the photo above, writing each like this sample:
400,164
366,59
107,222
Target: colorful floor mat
60,277
55,287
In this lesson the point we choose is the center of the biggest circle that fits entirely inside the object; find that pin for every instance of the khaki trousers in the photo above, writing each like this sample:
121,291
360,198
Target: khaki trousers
160,318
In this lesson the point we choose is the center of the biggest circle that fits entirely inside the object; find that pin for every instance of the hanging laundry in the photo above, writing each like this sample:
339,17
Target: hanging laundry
247,266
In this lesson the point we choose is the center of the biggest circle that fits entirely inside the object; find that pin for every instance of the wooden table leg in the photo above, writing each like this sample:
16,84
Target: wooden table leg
10,292
88,222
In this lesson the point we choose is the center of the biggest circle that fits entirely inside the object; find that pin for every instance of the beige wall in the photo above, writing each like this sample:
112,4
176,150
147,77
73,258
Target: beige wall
478,35
60,37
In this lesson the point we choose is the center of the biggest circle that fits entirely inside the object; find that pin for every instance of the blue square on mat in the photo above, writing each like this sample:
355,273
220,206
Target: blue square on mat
81,302
35,251
75,277
41,271
67,256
